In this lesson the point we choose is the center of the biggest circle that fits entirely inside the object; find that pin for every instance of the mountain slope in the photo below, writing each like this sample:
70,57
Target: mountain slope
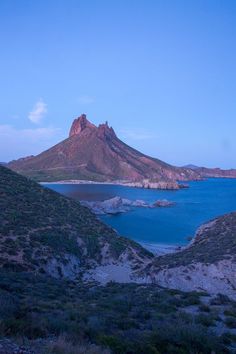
45,232
95,153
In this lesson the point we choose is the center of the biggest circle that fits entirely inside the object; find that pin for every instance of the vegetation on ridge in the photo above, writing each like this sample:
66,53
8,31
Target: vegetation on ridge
38,224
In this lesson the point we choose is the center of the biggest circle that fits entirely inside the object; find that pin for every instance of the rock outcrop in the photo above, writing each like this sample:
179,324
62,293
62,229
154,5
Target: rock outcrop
162,203
119,205
149,184
79,125
97,154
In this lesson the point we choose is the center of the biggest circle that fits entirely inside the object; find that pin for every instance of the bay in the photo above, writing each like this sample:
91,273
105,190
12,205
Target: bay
202,201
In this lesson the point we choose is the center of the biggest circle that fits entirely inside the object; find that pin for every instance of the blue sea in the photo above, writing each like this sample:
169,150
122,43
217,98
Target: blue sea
202,201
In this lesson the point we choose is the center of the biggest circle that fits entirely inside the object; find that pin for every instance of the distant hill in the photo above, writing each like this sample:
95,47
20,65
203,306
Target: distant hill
96,153
45,232
216,172
212,172
192,167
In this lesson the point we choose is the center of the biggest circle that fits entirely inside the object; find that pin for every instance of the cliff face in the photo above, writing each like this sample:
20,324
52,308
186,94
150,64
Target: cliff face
79,125
96,153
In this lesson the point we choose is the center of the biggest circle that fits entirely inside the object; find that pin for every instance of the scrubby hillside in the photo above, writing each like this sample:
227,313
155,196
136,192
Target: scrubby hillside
49,241
45,232
126,318
208,263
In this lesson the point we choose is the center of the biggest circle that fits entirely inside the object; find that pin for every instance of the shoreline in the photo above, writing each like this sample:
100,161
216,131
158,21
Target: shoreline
160,249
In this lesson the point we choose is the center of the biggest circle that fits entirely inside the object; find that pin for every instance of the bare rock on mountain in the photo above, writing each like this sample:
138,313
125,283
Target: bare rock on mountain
79,125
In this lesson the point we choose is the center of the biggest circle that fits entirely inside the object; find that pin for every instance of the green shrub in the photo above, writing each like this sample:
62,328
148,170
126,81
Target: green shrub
230,322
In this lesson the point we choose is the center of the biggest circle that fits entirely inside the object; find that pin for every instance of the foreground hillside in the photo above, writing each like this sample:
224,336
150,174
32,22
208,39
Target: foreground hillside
50,245
96,153
52,316
45,232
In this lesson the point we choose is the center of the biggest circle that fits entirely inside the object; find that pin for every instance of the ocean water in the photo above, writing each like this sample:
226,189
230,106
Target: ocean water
199,203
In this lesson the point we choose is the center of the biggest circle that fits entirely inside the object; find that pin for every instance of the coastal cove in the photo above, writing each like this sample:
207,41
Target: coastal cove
171,226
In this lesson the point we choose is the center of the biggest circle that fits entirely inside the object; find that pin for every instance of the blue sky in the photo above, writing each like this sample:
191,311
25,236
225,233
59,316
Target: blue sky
163,73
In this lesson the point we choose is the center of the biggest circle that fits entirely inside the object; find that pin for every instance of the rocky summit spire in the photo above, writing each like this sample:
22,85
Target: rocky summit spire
79,125
104,131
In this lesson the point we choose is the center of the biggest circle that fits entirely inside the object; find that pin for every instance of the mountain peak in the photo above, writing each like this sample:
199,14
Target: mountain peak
79,124
105,131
